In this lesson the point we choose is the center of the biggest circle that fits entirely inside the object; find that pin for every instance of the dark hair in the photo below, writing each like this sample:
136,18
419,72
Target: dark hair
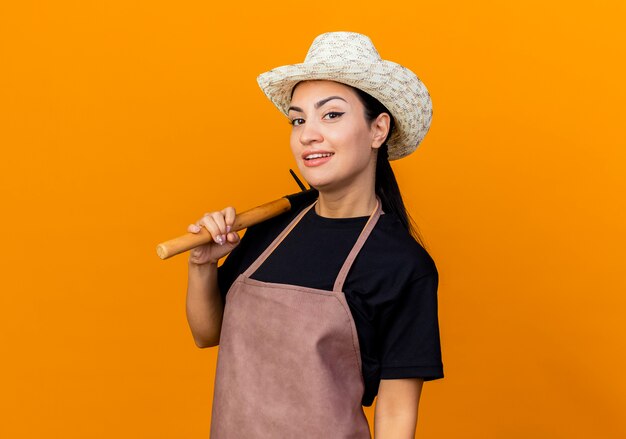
386,185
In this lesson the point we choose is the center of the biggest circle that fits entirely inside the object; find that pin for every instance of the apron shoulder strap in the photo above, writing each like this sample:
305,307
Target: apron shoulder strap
257,263
369,226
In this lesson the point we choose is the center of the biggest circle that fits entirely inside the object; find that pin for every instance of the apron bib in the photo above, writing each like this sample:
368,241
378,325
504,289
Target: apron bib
289,363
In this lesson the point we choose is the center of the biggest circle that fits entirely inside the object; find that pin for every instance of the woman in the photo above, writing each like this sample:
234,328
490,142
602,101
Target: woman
319,310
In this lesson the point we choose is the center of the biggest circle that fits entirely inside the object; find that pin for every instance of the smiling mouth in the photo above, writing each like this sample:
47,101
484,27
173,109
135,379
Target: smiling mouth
318,156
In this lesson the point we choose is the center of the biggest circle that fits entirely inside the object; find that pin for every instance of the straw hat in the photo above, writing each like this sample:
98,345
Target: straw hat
352,59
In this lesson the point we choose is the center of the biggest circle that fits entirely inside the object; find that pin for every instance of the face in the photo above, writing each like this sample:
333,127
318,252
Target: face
331,140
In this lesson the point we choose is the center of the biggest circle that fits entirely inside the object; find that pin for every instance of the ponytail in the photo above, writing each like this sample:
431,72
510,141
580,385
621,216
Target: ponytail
386,185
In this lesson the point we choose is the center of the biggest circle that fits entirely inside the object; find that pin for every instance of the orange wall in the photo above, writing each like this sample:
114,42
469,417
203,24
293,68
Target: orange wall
123,121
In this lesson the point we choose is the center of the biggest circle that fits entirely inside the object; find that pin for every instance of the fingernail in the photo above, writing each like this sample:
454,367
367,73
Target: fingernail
228,229
223,239
219,240
195,228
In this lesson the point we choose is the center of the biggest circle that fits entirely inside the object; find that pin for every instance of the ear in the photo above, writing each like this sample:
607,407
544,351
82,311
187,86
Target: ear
380,129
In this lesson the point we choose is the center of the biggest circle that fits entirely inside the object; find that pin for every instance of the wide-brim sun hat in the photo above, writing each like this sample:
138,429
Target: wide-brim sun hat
351,58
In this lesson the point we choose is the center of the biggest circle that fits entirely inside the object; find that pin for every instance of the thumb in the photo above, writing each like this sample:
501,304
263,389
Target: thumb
232,239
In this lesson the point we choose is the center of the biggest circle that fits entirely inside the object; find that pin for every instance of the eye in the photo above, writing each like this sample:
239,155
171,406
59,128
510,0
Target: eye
297,121
332,115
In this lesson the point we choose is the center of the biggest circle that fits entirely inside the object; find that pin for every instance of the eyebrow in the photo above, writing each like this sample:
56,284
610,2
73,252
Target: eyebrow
317,104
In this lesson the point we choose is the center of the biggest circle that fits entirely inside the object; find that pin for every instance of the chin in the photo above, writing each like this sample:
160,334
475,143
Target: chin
323,185
315,184
324,180
315,180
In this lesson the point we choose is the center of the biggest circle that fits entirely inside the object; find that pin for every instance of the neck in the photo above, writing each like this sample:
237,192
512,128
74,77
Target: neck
347,204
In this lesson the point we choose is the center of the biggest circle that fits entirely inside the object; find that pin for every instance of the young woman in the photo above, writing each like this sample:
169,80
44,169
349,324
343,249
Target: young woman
323,308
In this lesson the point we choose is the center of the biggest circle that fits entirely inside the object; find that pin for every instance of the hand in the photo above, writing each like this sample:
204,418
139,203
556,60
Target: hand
219,225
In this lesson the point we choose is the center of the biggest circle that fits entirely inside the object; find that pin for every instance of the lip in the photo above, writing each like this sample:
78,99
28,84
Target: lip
317,161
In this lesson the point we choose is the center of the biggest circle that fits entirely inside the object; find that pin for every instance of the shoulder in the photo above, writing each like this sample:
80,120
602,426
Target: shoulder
395,248
255,240
270,228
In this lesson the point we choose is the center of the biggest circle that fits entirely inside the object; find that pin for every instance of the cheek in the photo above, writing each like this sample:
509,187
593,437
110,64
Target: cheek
357,144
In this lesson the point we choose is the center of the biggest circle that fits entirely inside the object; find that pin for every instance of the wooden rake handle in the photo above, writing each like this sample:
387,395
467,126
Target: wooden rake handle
243,220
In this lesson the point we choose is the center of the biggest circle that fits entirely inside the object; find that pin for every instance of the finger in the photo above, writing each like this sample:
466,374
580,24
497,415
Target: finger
209,223
229,217
193,228
233,237
218,217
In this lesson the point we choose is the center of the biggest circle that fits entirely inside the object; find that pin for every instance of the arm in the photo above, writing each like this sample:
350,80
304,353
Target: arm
396,408
205,306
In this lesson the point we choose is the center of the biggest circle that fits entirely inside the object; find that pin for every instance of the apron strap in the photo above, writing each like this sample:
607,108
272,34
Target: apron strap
256,264
369,226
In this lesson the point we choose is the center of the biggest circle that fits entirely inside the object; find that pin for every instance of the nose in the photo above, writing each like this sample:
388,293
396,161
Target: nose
310,133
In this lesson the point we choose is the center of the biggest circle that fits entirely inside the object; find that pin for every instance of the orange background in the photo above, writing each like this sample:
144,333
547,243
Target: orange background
123,121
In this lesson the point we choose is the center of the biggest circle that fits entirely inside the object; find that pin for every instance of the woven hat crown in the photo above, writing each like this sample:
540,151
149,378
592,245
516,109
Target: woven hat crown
339,47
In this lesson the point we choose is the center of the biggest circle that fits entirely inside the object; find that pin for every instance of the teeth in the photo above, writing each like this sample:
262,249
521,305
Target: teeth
317,156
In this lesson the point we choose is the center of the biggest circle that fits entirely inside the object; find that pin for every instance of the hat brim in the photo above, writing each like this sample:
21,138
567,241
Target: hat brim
395,86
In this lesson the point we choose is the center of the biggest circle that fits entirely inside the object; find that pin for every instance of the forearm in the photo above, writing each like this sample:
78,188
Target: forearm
205,306
396,408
